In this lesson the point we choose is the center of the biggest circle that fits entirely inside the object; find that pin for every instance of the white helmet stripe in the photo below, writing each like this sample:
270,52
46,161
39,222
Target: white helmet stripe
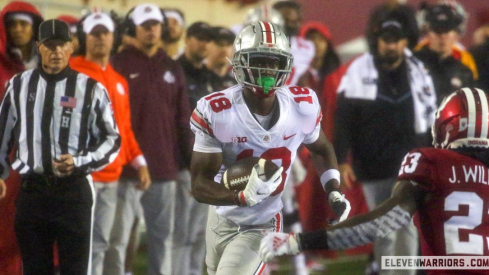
485,113
471,111
268,32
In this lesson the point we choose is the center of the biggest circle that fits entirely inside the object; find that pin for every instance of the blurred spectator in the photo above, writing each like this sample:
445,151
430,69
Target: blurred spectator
72,22
118,32
190,230
481,35
160,117
19,24
302,50
384,95
480,52
325,60
404,12
264,13
176,28
449,65
96,34
195,51
482,22
219,51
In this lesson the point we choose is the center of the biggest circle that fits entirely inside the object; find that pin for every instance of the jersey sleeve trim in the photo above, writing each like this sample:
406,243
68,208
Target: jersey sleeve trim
320,117
198,120
206,149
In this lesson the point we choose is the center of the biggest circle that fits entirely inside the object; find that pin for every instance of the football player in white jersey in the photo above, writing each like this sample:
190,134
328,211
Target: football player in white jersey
259,117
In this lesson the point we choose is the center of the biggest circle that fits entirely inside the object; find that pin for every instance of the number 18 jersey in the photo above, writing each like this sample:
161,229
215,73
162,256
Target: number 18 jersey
454,219
223,123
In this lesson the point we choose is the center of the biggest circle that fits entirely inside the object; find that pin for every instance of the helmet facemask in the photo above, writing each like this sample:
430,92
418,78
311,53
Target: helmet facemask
263,73
262,61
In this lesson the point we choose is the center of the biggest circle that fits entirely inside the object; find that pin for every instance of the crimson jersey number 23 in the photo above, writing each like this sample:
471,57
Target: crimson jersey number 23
457,224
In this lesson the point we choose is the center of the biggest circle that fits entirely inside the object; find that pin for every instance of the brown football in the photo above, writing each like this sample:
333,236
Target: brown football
237,175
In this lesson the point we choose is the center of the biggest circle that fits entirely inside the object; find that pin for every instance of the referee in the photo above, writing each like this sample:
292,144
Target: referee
62,124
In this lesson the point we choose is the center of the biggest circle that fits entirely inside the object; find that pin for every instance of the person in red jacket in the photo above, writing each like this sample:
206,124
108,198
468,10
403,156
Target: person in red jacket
19,22
96,36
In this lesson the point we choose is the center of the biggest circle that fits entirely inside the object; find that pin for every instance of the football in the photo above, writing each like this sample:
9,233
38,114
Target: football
237,175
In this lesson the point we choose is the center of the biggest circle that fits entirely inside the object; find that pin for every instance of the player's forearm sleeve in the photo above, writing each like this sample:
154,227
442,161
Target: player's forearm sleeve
364,233
313,240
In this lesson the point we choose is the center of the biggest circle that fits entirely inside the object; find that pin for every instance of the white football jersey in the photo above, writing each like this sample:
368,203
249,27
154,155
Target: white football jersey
223,123
303,52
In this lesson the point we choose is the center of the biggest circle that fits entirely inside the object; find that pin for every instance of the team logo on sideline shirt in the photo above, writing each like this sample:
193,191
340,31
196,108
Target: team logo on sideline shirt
169,77
120,88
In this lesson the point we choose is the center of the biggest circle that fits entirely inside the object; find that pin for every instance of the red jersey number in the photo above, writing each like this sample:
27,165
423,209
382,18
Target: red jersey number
218,103
301,91
281,153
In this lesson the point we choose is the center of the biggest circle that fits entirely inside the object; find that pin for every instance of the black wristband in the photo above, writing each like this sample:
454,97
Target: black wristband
313,240
236,199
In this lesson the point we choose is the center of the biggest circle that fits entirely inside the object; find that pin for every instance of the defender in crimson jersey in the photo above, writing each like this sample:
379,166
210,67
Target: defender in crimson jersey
455,217
257,118
448,186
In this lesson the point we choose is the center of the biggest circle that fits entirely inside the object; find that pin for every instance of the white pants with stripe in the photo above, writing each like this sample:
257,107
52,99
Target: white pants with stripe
233,248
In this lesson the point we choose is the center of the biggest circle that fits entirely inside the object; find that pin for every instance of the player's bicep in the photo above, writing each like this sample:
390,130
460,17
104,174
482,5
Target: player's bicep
204,166
322,153
320,146
408,195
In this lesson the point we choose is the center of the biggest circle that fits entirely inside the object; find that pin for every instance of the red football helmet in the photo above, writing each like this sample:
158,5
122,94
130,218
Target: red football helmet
462,120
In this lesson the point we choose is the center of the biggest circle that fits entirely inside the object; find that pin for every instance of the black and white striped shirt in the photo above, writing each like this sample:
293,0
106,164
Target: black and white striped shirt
50,115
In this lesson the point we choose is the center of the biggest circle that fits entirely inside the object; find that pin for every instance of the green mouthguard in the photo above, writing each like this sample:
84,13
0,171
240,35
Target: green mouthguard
266,82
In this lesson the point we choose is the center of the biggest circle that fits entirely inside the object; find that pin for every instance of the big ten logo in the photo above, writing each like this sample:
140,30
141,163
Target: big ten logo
239,139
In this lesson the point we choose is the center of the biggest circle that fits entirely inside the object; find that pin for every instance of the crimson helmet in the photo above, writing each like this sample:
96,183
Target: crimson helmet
462,120
256,46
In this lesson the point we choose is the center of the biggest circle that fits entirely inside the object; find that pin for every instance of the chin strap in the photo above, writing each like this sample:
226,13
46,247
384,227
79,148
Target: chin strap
266,82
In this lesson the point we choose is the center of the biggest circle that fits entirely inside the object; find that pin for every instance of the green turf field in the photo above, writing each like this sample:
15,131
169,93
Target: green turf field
347,265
